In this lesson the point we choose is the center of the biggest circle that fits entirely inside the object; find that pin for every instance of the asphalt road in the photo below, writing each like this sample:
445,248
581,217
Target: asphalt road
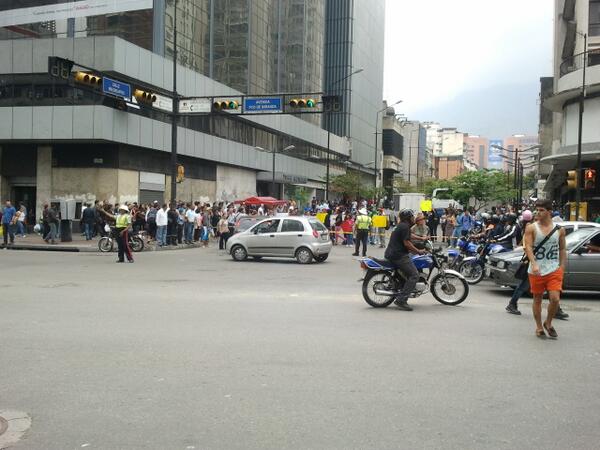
190,350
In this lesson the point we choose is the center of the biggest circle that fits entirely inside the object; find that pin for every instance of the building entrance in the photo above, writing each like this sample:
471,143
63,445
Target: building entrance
26,196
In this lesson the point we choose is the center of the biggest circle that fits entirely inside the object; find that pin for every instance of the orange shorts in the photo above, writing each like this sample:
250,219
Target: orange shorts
550,282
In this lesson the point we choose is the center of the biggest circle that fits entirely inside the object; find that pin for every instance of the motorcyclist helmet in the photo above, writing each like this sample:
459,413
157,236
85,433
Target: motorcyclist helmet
527,216
485,216
511,218
406,215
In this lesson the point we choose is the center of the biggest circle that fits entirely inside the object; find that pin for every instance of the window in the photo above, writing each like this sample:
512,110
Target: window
268,226
594,22
292,225
317,226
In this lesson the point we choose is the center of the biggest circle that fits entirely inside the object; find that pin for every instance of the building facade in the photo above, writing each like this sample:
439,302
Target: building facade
476,150
393,152
79,145
415,152
576,48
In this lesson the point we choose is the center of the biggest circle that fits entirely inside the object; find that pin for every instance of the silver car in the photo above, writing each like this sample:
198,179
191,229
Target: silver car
303,238
582,271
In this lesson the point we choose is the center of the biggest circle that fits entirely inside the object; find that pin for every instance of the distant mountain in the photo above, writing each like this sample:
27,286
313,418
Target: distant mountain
494,112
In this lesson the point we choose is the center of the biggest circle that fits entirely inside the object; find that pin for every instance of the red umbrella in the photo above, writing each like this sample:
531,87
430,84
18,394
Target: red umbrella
267,201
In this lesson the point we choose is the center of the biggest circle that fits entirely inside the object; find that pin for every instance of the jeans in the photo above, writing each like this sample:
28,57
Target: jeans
349,239
20,228
161,235
223,240
405,266
8,230
189,232
519,291
51,236
361,236
88,229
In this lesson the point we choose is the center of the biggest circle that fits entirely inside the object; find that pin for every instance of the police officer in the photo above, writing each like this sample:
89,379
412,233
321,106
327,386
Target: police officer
123,226
362,225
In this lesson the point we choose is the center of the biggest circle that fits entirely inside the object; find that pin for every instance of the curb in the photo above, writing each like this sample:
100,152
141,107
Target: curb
92,249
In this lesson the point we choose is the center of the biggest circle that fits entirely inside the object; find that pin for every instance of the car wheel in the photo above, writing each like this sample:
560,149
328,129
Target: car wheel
239,253
322,258
304,255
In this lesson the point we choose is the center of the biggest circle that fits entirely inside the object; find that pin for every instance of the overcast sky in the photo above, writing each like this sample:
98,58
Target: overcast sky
438,51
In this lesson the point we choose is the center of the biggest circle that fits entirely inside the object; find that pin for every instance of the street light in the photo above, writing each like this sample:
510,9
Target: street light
329,130
273,152
376,127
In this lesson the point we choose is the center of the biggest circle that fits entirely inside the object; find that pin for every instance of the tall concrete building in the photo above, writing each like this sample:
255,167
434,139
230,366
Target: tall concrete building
415,152
521,146
77,145
576,48
476,150
355,40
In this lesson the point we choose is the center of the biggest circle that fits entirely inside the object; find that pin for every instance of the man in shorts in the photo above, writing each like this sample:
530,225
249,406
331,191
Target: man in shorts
546,266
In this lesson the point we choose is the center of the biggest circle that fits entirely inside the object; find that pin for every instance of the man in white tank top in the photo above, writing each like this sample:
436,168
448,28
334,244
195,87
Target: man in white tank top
546,267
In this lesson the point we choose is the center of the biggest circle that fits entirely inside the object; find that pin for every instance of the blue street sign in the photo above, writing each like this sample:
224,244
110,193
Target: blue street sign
116,88
263,105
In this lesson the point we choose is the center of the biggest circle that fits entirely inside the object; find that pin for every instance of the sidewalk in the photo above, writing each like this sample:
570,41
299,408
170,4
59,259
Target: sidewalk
79,244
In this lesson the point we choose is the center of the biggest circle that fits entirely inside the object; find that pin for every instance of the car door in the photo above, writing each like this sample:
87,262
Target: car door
290,237
262,238
583,270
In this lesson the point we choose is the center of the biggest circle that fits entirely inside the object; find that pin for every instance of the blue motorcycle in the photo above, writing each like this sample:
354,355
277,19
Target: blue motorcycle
383,282
465,248
473,267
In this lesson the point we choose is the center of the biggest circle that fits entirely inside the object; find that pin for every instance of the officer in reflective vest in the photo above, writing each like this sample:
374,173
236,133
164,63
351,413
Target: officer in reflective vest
123,225
362,226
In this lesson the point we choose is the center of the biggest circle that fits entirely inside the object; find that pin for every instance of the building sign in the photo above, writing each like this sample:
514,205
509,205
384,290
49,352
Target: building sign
62,11
116,88
495,161
263,105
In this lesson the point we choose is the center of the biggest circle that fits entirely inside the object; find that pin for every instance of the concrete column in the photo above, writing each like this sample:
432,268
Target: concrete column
44,178
2,180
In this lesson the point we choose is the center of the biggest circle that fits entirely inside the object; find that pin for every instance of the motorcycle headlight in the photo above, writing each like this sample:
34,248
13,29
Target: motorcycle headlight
501,265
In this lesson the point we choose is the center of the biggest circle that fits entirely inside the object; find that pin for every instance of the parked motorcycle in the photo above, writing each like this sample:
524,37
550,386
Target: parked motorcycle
466,247
382,282
107,243
473,267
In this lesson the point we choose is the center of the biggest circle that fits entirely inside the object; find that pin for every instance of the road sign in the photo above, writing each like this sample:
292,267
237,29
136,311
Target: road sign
163,103
116,88
195,105
262,105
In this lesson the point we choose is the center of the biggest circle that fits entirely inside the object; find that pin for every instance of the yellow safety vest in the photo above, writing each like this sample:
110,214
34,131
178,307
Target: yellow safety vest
363,222
123,221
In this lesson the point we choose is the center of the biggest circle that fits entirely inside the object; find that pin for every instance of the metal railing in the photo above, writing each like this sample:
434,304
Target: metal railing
575,62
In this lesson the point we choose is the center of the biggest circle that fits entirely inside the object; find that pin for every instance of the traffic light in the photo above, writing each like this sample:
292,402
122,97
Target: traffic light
180,173
60,67
589,178
226,105
88,78
572,180
144,96
302,103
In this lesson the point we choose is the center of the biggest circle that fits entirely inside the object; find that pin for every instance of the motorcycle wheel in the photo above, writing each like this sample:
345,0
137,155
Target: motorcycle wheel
105,244
382,280
449,289
472,271
136,243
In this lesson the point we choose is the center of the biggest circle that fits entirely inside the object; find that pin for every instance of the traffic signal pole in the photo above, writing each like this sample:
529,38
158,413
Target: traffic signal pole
175,111
580,131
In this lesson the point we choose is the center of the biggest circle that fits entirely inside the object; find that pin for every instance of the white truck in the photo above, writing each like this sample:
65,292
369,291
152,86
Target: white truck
410,200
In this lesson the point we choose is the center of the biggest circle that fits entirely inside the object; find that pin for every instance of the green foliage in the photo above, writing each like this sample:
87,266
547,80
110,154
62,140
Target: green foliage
475,188
401,186
298,193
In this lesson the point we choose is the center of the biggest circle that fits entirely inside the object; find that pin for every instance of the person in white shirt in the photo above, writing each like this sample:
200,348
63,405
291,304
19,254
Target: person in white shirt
162,221
190,221
261,210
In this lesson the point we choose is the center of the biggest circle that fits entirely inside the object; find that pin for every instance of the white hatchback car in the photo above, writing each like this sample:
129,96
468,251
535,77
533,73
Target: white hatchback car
303,238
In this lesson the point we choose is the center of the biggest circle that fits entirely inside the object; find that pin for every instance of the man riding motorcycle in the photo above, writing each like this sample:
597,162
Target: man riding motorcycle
397,252
508,232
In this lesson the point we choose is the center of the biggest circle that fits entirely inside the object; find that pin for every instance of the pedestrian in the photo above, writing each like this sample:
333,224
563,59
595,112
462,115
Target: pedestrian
88,219
190,219
450,224
172,216
433,222
122,228
52,219
362,226
151,220
22,221
162,221
546,251
9,218
223,229
419,232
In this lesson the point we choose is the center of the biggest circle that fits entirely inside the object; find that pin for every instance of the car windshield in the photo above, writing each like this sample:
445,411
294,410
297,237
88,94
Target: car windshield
246,223
577,237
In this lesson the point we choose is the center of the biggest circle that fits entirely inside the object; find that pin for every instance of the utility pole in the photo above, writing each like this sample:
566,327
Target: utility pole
174,115
580,131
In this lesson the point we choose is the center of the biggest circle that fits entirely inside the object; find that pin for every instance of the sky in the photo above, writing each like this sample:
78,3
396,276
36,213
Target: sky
454,61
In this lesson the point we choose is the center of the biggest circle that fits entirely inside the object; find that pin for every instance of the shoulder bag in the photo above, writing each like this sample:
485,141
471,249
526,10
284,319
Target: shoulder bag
522,271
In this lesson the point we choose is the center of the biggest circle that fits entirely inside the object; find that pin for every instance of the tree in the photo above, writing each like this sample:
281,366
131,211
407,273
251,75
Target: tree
348,184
